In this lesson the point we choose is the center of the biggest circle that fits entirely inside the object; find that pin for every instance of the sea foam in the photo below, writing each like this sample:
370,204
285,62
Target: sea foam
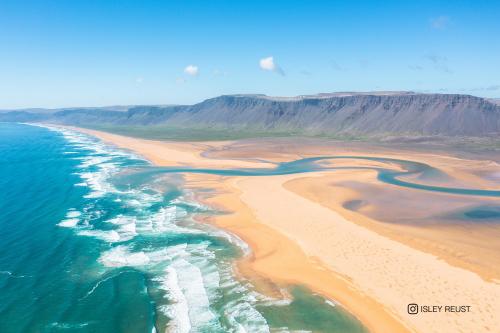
71,220
191,275
178,311
120,256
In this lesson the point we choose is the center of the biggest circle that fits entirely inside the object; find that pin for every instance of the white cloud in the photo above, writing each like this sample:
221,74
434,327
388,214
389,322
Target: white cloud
415,67
336,66
191,70
218,72
268,64
493,87
440,22
139,80
440,63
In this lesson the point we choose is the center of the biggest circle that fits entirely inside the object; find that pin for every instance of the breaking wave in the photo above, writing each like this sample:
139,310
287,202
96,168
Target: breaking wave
143,228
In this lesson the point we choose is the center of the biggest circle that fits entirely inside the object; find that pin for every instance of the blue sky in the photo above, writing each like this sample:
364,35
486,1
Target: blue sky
94,53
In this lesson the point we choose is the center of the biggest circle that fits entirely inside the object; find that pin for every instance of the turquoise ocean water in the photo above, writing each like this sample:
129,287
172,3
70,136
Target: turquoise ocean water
94,239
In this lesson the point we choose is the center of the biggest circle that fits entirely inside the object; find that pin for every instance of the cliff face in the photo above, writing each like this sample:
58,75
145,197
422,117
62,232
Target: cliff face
358,114
361,114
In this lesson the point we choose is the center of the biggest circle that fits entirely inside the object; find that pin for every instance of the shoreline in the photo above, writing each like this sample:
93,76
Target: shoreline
295,249
276,258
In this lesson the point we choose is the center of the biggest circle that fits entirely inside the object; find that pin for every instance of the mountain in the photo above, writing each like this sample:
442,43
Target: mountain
495,100
375,113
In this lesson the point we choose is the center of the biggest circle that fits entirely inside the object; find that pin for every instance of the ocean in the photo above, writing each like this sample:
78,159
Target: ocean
88,243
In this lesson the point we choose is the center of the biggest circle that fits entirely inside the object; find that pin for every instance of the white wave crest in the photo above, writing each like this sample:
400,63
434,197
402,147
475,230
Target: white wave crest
110,236
71,220
120,256
69,223
178,310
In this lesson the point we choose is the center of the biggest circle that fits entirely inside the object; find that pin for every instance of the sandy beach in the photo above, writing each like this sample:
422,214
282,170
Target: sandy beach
336,233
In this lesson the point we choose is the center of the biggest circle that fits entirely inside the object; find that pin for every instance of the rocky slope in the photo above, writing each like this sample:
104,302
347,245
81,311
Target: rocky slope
329,114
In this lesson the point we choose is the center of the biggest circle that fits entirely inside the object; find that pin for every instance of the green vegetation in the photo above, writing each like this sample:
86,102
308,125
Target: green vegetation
199,133
169,133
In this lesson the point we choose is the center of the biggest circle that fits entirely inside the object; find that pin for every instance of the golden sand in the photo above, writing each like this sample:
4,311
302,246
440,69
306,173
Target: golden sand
300,233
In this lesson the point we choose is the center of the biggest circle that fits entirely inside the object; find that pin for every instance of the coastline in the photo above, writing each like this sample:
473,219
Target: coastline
277,258
363,271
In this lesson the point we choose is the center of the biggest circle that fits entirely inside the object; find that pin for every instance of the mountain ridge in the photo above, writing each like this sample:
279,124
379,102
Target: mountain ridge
368,113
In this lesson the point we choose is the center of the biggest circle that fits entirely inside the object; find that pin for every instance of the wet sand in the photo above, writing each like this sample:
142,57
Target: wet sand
301,232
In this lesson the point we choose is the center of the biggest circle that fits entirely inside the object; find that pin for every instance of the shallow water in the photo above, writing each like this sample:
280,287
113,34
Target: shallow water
480,213
95,239
422,171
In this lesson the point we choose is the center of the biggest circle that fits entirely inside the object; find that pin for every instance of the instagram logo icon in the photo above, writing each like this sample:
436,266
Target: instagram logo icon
412,308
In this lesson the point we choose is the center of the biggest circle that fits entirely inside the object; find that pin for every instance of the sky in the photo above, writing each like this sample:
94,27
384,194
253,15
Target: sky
98,53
